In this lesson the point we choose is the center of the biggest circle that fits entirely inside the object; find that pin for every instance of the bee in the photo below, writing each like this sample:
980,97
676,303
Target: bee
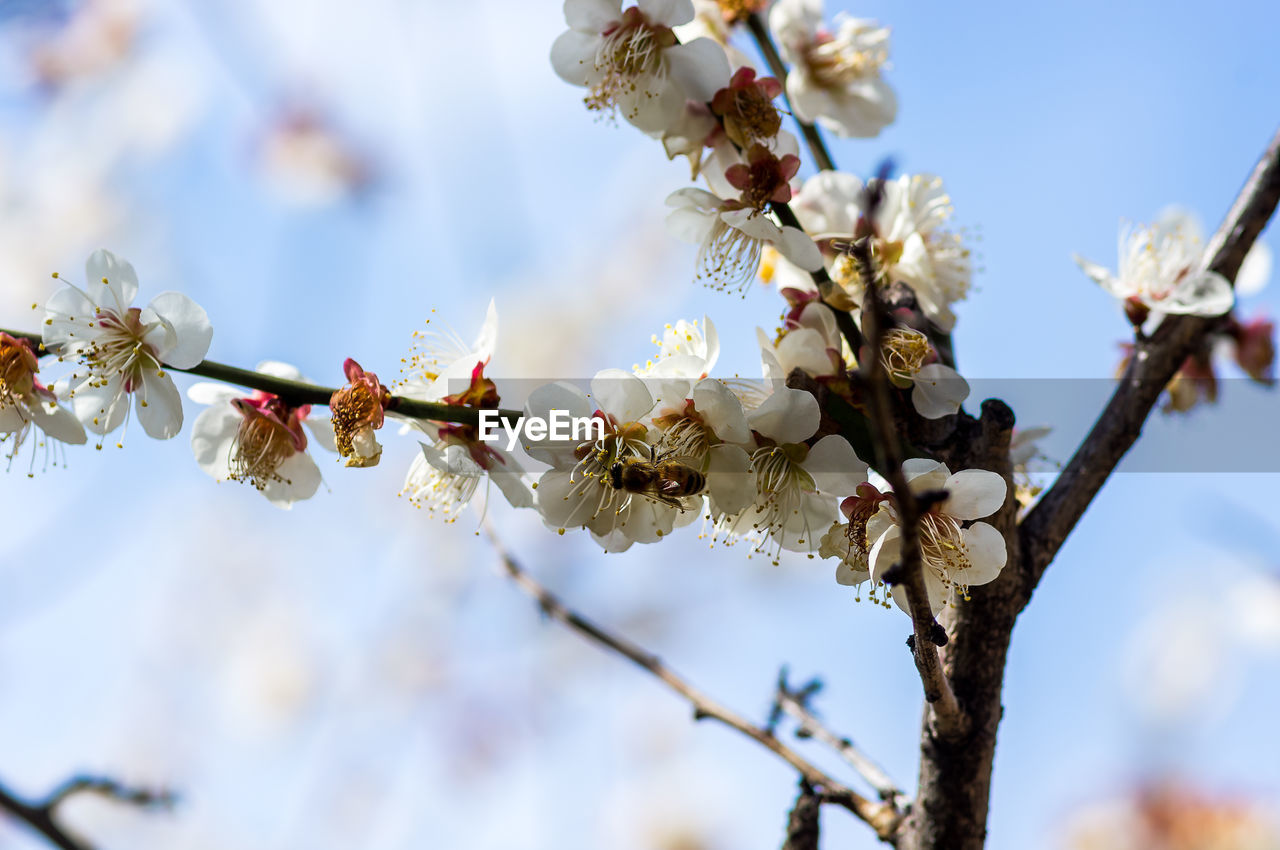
660,478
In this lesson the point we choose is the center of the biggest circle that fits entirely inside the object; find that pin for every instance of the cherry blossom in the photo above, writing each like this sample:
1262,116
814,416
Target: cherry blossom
797,485
835,76
631,62
910,241
955,556
26,404
577,492
122,350
259,439
937,390
356,411
1161,270
731,234
445,476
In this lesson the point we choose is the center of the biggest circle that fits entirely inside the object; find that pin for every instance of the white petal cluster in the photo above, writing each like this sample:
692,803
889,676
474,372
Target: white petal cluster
122,350
1161,268
445,476
956,552
731,238
259,439
835,75
26,405
631,62
912,242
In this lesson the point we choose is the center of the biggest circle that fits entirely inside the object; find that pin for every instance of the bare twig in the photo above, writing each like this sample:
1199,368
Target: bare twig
927,633
42,815
879,816
1156,359
299,392
796,704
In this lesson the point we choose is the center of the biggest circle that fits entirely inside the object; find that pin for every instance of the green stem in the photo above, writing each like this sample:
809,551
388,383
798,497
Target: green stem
299,392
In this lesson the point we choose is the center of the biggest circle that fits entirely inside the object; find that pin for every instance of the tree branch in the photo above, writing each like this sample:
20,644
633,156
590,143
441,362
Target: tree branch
299,392
795,703
41,816
880,817
1155,361
927,634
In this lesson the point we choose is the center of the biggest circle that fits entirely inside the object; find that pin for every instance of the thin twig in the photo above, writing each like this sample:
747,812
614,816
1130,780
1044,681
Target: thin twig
1156,359
927,634
796,704
760,32
42,815
882,818
300,392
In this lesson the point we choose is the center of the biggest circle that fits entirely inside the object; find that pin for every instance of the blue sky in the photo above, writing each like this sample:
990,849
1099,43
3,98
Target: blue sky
350,673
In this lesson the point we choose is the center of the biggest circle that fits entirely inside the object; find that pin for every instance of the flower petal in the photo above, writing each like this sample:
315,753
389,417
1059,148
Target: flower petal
102,408
722,411
700,67
731,484
987,554
939,391
787,416
594,16
213,435
796,246
121,285
191,327
573,56
621,395
58,423
974,493
159,406
834,467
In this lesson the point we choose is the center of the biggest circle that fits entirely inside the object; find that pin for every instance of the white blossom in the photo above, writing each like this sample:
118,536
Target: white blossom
937,390
730,238
631,62
577,491
26,404
955,557
835,76
1161,269
911,245
444,477
122,349
259,439
797,485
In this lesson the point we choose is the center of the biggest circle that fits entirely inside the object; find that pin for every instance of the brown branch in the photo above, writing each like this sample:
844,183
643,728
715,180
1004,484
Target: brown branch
803,825
927,633
1155,361
882,818
299,392
795,704
42,816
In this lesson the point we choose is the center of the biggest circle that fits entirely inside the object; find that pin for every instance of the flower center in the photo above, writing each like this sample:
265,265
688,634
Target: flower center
836,63
904,353
627,53
260,446
728,259
119,349
942,547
